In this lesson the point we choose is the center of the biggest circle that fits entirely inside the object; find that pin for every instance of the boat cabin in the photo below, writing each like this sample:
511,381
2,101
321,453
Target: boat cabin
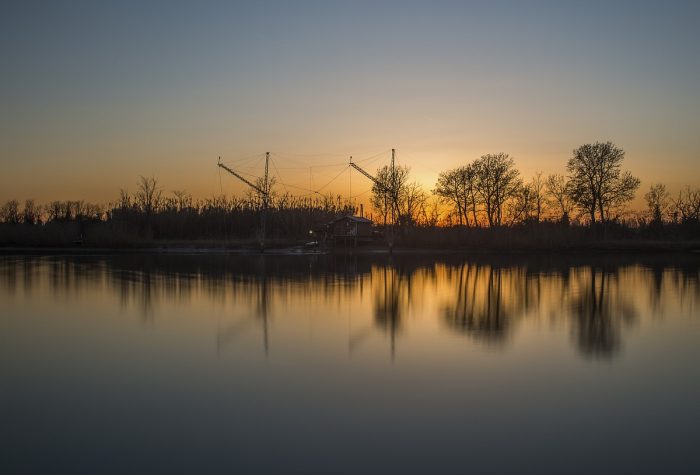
351,227
347,230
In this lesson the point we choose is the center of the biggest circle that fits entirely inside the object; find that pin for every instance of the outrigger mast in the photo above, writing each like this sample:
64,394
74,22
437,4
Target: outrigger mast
264,192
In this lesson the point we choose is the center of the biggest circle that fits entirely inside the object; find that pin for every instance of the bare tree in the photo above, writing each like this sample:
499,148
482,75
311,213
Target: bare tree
31,213
388,189
597,181
687,206
148,195
432,212
497,180
9,213
558,189
657,199
471,202
53,211
537,189
457,187
94,211
523,206
449,189
412,200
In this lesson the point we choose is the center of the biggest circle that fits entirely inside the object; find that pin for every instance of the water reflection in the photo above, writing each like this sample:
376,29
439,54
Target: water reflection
262,309
482,308
600,308
390,290
485,300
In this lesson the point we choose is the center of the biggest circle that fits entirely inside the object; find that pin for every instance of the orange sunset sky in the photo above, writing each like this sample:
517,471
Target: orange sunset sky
94,96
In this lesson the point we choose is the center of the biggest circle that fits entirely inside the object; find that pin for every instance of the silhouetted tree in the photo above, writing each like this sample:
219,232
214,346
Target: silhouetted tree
558,188
9,213
449,189
457,187
31,214
497,180
687,206
388,189
537,188
412,200
522,206
148,195
597,181
657,199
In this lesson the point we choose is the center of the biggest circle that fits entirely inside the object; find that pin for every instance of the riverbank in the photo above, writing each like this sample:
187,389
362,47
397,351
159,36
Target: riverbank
291,247
545,237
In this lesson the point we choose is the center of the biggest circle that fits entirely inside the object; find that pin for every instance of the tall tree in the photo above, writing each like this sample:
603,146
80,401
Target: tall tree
558,189
449,189
148,195
537,188
9,213
687,205
412,201
31,213
497,180
457,187
657,201
598,183
522,207
389,186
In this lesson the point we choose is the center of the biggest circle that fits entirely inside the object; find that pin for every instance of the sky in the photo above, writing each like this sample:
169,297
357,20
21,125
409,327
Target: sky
95,94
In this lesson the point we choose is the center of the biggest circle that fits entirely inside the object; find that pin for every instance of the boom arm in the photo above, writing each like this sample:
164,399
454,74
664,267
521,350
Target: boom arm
247,182
389,191
357,167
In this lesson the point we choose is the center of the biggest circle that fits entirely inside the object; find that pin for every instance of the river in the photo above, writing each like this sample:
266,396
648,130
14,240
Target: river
161,363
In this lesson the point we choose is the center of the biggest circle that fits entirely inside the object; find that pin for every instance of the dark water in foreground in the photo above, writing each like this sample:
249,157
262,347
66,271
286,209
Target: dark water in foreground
215,363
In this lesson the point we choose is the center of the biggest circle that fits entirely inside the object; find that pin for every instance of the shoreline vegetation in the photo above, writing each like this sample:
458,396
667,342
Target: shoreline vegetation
484,206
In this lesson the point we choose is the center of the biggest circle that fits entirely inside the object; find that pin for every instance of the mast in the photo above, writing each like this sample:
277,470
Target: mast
350,191
266,196
388,189
264,192
394,199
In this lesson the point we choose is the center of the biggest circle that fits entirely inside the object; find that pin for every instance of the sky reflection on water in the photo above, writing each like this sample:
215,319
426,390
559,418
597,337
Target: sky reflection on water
197,362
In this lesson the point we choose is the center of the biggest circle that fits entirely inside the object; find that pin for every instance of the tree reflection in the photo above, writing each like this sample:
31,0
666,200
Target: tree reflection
487,300
478,309
387,302
596,299
599,309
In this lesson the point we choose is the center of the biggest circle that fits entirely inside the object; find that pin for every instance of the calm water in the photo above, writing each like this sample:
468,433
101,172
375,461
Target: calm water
216,363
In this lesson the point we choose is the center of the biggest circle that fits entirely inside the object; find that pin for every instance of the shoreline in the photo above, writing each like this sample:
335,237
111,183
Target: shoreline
594,248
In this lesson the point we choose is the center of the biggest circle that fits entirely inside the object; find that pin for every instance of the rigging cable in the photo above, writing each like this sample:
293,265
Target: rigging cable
279,177
310,191
334,178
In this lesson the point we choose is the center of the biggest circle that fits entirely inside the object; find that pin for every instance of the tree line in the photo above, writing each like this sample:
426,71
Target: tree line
487,192
151,213
490,192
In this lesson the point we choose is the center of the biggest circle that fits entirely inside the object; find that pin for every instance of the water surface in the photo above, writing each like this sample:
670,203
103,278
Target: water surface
222,363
